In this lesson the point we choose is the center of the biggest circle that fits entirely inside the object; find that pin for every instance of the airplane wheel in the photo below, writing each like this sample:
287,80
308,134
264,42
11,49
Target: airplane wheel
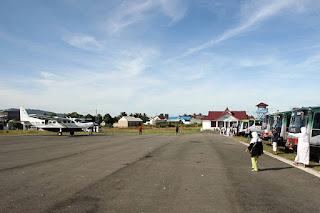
71,133
59,133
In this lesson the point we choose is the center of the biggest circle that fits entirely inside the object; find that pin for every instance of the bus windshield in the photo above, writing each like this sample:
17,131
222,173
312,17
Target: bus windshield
271,121
298,120
265,123
277,121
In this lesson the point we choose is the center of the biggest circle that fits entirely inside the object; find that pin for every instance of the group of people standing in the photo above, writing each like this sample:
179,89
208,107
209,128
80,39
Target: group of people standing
229,131
303,149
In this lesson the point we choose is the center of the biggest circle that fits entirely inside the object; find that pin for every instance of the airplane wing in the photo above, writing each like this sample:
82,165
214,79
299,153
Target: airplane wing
46,117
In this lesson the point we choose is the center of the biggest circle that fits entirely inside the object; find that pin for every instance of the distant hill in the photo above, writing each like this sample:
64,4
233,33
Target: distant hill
37,111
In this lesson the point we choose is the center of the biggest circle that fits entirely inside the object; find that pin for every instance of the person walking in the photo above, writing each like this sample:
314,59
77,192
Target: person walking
248,133
303,149
177,129
256,149
140,130
275,135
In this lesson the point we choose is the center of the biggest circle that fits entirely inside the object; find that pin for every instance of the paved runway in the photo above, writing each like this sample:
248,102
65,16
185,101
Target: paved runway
147,173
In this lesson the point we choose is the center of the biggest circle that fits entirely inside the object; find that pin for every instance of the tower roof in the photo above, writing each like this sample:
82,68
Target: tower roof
262,104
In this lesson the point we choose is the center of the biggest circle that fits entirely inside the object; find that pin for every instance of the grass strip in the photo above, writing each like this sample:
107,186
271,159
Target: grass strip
283,152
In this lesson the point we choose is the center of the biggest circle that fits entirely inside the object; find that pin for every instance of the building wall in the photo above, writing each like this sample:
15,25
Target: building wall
121,123
206,124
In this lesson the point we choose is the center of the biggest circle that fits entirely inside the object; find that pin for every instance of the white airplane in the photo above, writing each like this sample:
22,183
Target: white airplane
55,124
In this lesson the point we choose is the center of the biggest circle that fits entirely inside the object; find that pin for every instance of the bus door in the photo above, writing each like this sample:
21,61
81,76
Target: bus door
315,132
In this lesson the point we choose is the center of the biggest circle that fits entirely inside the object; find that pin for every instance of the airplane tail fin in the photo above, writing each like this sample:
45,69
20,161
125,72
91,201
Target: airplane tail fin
23,114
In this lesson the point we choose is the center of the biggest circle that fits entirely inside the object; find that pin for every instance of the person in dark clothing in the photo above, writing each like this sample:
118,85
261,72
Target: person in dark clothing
256,149
275,139
177,129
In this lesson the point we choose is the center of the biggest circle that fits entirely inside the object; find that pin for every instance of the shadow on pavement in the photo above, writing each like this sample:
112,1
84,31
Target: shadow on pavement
275,169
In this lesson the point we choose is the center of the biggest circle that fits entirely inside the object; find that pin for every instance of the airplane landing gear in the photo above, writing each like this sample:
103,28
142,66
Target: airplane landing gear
71,133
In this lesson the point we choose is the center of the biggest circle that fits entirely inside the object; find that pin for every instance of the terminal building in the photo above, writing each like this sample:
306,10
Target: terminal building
219,119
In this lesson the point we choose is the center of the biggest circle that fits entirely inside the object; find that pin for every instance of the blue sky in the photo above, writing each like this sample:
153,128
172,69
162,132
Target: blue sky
153,56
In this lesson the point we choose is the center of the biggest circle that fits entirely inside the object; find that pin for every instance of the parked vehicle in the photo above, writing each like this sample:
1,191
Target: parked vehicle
309,118
252,124
279,121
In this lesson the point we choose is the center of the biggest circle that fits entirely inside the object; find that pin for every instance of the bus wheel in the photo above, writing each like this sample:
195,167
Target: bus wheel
59,133
71,133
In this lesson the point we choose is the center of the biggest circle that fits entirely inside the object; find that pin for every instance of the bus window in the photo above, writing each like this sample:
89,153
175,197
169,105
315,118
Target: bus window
279,122
251,123
245,125
271,120
298,120
316,125
258,123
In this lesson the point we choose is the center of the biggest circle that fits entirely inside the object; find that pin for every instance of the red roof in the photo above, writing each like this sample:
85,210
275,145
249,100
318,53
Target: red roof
262,104
214,115
161,117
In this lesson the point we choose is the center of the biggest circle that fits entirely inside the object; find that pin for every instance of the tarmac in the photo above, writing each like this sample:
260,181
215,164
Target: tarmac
147,173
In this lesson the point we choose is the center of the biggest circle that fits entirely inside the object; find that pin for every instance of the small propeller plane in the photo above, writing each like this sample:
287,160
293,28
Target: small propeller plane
55,124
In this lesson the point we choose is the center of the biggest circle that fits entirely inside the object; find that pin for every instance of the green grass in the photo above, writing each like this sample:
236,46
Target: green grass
150,130
26,132
290,155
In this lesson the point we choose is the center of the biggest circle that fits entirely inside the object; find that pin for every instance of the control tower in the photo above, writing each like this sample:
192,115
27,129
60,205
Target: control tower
262,110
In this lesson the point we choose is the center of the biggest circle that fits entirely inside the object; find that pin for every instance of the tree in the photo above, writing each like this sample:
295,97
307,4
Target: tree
53,114
123,114
98,118
88,116
108,119
167,116
73,115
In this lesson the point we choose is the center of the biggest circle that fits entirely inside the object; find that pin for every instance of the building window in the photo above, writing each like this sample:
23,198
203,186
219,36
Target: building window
213,124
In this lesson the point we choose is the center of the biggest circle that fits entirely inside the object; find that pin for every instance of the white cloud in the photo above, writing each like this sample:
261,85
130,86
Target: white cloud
48,75
82,41
255,12
175,9
133,12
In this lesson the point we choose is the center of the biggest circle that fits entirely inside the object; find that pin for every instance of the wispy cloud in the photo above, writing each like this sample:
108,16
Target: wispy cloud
82,41
132,12
257,14
47,75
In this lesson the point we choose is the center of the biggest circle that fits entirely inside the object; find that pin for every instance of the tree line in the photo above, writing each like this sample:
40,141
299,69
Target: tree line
109,120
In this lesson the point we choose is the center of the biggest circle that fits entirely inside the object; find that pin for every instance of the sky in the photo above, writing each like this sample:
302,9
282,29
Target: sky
159,56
